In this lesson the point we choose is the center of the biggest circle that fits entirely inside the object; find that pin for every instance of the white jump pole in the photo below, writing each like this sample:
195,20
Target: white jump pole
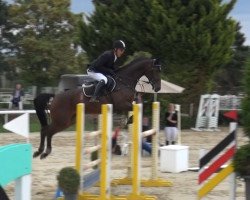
232,177
178,109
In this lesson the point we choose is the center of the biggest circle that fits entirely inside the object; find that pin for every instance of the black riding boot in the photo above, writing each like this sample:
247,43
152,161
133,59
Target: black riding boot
167,142
98,88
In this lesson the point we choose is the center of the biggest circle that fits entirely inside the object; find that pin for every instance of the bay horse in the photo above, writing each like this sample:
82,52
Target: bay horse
63,106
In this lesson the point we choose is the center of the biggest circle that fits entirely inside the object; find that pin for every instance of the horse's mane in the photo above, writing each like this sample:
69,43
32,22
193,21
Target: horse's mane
136,60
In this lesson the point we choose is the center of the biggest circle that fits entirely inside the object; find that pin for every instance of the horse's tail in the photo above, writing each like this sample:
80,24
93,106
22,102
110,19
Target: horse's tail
41,105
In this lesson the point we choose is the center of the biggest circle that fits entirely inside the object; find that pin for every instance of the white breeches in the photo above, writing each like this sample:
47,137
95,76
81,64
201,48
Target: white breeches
97,76
171,133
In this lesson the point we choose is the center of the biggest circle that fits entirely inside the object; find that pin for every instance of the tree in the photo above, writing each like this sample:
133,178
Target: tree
3,22
7,45
200,43
113,20
192,38
44,37
228,79
246,100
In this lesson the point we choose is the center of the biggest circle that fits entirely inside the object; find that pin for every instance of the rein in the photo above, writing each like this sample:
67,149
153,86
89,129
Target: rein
118,78
149,68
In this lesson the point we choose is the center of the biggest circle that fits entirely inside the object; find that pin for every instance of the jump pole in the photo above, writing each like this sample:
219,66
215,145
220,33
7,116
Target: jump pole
80,110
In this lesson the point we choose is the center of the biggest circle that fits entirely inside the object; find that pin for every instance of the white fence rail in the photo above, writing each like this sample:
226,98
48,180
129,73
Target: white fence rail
17,111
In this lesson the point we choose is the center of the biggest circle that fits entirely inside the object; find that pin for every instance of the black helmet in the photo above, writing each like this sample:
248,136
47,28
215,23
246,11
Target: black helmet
119,44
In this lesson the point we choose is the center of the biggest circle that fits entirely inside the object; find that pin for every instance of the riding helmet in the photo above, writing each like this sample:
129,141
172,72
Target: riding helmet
119,44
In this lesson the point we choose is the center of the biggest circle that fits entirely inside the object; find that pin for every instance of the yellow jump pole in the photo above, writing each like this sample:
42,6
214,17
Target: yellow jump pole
156,124
136,150
105,189
79,135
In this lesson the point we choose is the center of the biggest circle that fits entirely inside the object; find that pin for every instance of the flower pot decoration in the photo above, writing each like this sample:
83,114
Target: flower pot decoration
69,182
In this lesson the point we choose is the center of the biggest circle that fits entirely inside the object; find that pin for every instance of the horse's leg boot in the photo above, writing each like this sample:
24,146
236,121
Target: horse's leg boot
98,88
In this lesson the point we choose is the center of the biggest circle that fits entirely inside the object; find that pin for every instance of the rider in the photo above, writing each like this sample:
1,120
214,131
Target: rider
104,65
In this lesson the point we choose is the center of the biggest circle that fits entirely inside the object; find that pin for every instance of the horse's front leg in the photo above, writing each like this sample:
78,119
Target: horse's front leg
130,120
129,106
42,140
48,147
51,130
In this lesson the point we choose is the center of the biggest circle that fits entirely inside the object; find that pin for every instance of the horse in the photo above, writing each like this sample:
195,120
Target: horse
63,106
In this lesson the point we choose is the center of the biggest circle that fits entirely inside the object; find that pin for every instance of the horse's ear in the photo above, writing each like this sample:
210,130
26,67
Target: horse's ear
157,61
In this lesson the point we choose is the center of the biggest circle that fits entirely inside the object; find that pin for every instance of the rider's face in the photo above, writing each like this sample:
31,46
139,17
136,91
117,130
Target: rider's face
119,52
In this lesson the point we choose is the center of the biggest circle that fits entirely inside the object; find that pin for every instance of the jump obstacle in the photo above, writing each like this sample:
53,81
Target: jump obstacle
92,176
215,158
102,166
208,113
136,134
135,178
105,159
209,107
20,153
105,131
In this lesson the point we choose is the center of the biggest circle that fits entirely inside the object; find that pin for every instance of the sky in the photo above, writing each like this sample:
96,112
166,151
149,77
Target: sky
240,13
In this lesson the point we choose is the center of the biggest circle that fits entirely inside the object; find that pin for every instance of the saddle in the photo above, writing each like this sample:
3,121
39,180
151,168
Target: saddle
73,81
89,85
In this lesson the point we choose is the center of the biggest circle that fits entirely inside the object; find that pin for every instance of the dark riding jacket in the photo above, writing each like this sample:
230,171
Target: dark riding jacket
104,63
174,117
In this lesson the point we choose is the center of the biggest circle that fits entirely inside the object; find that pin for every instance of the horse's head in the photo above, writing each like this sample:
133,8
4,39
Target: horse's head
139,67
153,74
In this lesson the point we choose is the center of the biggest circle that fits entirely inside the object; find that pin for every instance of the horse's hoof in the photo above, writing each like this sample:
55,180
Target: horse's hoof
43,156
36,154
130,120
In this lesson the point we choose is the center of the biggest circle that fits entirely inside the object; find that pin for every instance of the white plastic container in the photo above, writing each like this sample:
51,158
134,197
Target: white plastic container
174,158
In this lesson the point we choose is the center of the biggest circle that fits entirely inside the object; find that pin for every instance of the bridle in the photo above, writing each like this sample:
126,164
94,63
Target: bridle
154,66
151,81
120,79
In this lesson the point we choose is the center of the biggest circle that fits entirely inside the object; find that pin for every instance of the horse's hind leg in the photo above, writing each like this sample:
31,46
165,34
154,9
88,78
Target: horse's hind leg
42,141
